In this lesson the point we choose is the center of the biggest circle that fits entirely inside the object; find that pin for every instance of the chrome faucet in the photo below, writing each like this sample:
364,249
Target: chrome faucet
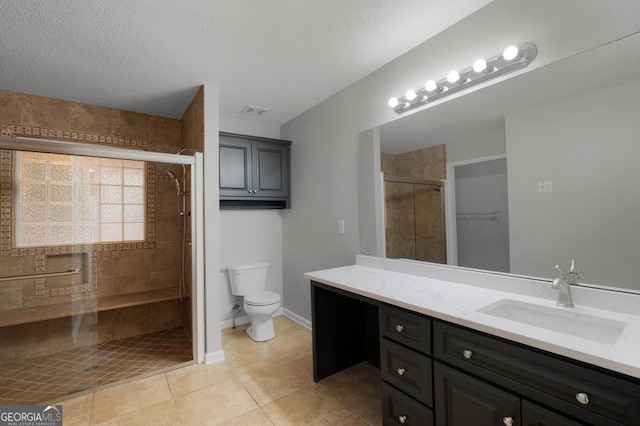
563,285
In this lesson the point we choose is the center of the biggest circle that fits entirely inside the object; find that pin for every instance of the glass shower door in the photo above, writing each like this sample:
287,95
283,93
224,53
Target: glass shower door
414,220
429,220
90,273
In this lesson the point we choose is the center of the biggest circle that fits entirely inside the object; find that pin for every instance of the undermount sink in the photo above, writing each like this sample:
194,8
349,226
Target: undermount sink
561,320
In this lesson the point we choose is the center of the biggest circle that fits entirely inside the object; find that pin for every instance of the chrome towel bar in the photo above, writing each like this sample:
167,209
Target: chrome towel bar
74,271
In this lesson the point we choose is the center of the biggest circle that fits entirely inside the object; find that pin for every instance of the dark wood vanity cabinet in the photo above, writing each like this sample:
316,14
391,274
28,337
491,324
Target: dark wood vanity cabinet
437,373
405,367
588,394
254,172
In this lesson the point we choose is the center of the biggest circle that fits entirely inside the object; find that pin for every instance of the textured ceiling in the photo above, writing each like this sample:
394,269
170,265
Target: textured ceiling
151,55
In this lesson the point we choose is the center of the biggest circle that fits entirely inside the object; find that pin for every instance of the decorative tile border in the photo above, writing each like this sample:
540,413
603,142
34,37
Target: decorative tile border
40,253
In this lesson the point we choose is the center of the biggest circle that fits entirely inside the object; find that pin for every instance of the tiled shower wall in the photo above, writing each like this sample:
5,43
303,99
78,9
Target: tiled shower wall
400,203
118,270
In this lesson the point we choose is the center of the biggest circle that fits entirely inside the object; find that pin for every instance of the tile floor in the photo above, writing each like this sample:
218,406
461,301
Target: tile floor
43,378
267,383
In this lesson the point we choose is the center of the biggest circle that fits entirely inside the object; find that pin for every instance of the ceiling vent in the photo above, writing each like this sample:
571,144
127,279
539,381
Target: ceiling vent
256,111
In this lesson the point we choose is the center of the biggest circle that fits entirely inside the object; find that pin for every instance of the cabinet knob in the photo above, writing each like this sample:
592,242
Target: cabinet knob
467,353
508,421
249,191
402,419
399,328
582,398
401,371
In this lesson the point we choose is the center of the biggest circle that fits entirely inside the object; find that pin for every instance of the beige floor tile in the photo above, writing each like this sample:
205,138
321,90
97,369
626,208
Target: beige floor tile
304,360
274,382
162,414
128,398
292,344
243,361
237,339
358,387
253,418
284,325
200,376
373,416
77,411
311,406
214,405
356,421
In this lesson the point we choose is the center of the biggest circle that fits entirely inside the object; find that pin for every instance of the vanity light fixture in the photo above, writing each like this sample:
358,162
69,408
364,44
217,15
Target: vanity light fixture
513,58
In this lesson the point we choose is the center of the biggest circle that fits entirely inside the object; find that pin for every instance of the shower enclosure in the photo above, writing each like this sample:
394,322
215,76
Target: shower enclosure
96,279
414,219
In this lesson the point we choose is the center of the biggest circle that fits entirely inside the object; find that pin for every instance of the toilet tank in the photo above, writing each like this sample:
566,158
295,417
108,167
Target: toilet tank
248,278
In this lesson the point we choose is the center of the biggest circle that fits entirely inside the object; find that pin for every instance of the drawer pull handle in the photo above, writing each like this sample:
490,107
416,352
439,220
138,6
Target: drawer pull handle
508,421
401,371
402,419
582,398
467,354
399,328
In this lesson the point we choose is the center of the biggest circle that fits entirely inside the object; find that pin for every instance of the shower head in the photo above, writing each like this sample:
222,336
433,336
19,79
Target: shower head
173,176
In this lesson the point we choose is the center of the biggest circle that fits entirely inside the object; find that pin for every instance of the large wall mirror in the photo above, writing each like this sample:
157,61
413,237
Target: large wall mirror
539,169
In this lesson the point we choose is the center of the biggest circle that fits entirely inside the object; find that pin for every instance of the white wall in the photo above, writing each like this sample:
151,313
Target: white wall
588,148
213,338
248,236
325,138
248,127
482,188
476,146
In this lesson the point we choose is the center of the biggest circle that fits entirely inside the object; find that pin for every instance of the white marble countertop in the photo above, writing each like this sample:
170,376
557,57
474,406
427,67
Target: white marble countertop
458,303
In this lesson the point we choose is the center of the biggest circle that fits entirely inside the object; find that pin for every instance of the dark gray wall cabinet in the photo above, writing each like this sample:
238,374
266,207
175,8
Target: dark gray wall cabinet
435,372
254,172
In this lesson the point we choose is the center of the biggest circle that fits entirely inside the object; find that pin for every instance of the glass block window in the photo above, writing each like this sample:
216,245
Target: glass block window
66,200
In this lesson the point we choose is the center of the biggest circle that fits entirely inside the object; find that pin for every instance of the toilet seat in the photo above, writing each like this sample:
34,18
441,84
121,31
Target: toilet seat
262,298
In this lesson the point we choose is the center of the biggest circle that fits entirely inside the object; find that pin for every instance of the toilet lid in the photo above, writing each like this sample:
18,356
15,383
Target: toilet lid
262,298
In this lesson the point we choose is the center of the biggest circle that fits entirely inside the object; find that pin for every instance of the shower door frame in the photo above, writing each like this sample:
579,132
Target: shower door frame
197,206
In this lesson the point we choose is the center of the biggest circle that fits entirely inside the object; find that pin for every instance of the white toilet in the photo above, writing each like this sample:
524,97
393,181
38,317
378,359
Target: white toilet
249,281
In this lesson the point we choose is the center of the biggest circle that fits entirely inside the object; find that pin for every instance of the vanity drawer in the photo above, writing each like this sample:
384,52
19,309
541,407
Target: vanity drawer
408,370
409,328
399,409
561,383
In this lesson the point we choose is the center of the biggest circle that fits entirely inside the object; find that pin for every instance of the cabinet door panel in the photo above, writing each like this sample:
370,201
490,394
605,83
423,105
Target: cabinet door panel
271,170
235,168
462,401
534,415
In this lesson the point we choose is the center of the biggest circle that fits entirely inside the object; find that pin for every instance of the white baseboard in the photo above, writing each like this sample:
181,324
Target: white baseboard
213,357
297,318
239,321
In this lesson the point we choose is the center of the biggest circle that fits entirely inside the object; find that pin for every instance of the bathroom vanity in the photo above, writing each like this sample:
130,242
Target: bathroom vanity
462,348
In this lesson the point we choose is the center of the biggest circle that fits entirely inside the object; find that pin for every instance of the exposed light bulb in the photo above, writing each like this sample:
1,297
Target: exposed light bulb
453,76
430,86
411,95
393,102
510,53
479,65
